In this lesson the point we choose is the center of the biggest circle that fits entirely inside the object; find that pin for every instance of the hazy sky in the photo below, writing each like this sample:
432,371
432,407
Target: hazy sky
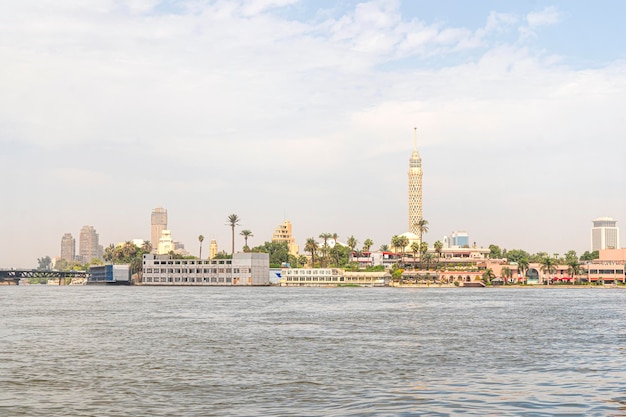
304,110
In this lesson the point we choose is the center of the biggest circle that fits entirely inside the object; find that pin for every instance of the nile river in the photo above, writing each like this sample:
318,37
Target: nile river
138,351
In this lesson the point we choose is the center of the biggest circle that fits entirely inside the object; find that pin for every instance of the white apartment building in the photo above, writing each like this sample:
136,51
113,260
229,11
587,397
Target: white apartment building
244,269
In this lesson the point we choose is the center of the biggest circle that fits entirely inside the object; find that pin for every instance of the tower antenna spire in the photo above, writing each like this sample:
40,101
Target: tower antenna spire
415,138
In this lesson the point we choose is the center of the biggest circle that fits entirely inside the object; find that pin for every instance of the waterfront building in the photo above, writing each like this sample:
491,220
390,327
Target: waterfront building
415,188
109,274
604,234
244,269
68,247
88,246
325,277
158,223
284,233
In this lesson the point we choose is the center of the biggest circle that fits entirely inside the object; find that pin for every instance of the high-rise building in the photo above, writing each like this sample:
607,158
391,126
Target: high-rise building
213,249
459,239
604,234
166,244
283,233
88,246
415,189
68,247
158,222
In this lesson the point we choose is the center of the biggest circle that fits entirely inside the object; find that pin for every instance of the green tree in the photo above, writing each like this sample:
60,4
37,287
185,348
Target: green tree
423,250
514,255
395,242
403,241
246,234
352,242
367,244
312,247
233,220
438,248
278,252
548,266
422,227
507,274
590,256
44,263
574,268
415,248
200,239
570,256
495,252
522,267
488,276
325,237
384,247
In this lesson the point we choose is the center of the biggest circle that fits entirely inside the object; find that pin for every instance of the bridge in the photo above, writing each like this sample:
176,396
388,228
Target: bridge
8,276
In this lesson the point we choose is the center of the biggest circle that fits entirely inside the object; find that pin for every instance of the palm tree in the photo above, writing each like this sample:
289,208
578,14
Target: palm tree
311,246
352,242
367,244
201,239
438,248
384,247
246,234
423,249
506,273
335,236
233,220
422,227
403,241
415,248
522,266
488,276
325,237
573,268
548,266
395,242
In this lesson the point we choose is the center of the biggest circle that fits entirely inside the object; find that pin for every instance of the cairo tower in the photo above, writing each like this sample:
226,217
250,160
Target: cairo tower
415,188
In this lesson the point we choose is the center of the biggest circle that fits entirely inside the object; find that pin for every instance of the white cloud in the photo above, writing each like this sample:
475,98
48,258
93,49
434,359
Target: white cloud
548,16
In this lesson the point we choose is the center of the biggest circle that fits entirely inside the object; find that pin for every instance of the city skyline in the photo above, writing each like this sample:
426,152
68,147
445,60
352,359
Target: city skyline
305,111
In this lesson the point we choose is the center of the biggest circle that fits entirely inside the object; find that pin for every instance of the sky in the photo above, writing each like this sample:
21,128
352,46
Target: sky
305,111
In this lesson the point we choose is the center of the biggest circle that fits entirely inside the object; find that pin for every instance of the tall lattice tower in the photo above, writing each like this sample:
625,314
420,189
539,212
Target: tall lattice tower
415,188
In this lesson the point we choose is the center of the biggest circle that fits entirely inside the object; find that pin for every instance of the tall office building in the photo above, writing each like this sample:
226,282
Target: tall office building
415,188
88,245
68,247
158,222
604,234
459,238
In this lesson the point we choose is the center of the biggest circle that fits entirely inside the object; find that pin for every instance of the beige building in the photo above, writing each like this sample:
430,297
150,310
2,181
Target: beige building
283,233
213,249
89,247
68,247
158,223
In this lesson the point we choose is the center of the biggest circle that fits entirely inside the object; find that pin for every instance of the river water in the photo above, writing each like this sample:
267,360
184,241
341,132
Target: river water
122,351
